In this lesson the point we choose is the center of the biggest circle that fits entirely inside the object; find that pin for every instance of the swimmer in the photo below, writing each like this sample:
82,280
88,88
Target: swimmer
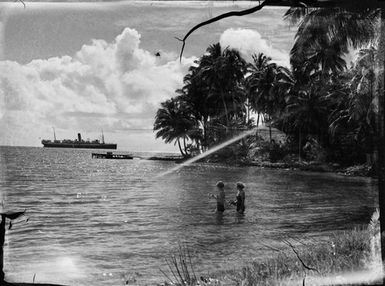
220,197
239,198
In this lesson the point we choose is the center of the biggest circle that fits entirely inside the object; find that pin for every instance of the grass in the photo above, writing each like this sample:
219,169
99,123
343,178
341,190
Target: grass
346,257
180,268
345,252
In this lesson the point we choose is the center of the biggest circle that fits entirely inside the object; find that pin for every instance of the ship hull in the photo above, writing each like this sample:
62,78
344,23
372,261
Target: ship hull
81,145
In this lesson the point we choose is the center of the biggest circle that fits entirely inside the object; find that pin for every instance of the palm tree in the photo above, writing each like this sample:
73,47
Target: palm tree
260,82
306,114
173,123
324,36
195,96
265,85
357,110
223,71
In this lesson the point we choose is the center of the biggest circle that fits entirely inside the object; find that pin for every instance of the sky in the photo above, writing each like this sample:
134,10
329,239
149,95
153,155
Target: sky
87,67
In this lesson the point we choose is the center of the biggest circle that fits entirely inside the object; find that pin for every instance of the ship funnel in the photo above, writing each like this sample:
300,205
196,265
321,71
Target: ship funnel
79,137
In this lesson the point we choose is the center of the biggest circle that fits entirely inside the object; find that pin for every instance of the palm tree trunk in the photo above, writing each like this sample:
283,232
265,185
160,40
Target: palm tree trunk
299,145
225,107
234,108
270,133
258,117
184,145
248,110
204,145
180,148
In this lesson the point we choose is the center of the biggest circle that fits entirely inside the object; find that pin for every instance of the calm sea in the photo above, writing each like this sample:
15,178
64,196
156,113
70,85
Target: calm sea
100,222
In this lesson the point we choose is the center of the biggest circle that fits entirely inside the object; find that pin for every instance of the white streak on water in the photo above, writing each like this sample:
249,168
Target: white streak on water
208,152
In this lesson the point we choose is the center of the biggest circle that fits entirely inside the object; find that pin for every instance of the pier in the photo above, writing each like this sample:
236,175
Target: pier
110,155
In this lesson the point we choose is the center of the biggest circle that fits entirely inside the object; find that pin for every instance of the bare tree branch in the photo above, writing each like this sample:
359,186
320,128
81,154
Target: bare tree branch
223,16
22,2
299,258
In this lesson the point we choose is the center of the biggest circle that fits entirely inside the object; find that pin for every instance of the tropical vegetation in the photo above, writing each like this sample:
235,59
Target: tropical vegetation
319,100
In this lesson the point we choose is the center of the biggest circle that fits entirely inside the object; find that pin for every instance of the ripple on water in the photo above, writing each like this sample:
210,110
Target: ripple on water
95,221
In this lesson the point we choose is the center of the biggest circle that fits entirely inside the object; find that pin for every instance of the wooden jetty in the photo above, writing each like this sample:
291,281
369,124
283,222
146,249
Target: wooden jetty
110,155
165,158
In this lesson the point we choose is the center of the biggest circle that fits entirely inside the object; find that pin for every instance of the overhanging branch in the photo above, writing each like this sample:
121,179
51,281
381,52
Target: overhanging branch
223,16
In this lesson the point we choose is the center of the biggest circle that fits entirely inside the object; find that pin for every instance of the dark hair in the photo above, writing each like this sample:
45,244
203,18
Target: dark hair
220,184
240,185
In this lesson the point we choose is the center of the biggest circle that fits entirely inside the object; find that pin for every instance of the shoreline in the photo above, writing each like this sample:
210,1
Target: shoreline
349,171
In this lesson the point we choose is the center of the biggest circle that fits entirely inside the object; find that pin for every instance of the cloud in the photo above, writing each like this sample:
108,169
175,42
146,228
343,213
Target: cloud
114,86
250,42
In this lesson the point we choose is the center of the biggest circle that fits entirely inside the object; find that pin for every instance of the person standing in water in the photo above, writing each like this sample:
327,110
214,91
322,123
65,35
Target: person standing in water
240,198
220,197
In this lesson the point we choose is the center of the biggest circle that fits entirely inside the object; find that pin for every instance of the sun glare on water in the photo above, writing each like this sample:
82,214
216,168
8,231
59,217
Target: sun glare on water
209,152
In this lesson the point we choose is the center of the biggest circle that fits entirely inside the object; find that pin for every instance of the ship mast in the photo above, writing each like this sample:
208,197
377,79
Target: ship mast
54,134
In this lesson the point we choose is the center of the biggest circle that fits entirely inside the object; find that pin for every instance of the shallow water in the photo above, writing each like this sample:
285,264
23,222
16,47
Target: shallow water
98,222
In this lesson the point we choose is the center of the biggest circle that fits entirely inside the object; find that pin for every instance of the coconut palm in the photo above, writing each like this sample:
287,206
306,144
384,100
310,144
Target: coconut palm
260,82
173,123
308,111
324,36
357,111
223,71
306,114
196,97
267,86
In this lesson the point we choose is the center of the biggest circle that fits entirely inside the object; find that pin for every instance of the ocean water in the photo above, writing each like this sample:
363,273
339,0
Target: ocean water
101,222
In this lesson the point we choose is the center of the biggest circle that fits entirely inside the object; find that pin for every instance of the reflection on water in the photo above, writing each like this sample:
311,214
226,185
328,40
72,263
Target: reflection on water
95,222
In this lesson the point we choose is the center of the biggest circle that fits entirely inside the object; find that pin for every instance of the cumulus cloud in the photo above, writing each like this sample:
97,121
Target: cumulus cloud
250,42
114,86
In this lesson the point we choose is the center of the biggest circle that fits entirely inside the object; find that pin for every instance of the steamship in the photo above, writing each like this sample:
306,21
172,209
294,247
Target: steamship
79,143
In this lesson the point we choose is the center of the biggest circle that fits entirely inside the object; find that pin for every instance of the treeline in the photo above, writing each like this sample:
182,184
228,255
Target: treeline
325,103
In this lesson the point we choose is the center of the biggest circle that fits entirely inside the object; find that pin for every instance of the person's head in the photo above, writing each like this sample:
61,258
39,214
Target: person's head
220,185
240,186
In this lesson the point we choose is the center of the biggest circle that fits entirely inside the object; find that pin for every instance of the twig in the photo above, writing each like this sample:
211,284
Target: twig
22,2
191,265
165,274
172,271
299,258
175,263
223,16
